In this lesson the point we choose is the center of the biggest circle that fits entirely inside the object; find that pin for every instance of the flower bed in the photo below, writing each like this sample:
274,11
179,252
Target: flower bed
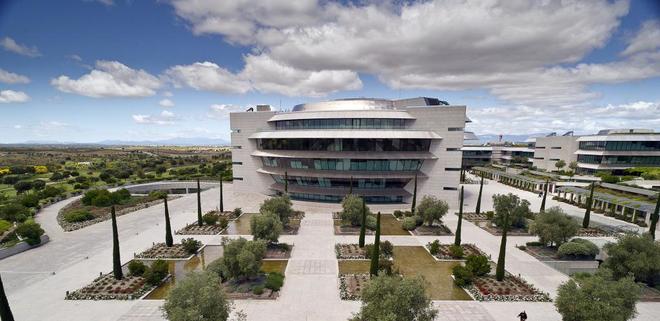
106,287
444,253
278,251
349,252
512,288
350,230
103,213
245,289
161,251
425,230
593,232
195,229
351,285
475,217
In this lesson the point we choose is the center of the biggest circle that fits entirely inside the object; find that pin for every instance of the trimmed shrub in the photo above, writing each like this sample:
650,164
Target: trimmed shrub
434,247
136,268
418,220
371,223
210,218
258,290
156,272
456,251
398,213
409,224
578,248
386,249
478,265
31,231
274,281
79,215
462,275
191,245
237,212
224,222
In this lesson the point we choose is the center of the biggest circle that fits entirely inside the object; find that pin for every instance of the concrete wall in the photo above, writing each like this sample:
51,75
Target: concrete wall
549,150
440,119
246,178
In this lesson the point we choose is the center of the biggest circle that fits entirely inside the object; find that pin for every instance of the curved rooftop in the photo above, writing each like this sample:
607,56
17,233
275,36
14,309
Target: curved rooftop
368,104
346,104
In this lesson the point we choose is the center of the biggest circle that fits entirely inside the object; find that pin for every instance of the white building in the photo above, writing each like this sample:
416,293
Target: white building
551,149
377,146
616,150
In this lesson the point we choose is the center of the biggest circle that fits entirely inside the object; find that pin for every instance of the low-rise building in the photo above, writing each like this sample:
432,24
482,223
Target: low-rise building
617,150
552,148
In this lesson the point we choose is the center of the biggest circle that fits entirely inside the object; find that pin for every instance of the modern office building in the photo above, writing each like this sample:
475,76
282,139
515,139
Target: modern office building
616,150
374,147
552,148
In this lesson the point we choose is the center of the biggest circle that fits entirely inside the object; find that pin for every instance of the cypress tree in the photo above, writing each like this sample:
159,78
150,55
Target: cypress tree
199,205
222,205
350,186
168,228
499,271
414,200
116,257
5,310
457,239
587,212
286,182
375,255
481,189
363,228
654,218
545,195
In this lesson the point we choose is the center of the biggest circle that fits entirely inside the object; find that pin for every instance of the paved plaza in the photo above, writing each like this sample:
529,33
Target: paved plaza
36,280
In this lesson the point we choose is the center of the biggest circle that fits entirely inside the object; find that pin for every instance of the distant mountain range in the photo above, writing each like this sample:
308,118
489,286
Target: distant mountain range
179,141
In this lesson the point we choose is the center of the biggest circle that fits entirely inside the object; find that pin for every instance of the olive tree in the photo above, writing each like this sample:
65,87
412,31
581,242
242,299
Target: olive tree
597,297
266,227
636,255
241,259
517,210
432,209
352,207
198,297
394,298
280,206
554,227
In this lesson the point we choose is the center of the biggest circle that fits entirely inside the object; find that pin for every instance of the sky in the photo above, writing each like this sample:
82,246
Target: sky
87,71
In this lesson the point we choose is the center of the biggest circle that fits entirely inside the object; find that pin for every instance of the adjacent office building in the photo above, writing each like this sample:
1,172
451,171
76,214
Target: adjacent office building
616,150
552,148
372,147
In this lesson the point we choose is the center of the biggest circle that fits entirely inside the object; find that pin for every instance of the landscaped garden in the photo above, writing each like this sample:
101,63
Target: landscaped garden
214,223
492,222
94,207
186,249
409,261
451,251
277,212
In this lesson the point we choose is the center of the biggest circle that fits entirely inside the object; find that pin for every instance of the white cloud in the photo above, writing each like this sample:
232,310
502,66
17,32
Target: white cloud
110,79
647,39
11,45
75,57
11,96
18,126
165,118
168,94
268,75
166,103
525,119
12,78
521,51
221,111
207,76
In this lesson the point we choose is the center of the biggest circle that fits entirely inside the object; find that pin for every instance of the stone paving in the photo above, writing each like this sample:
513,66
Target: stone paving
40,276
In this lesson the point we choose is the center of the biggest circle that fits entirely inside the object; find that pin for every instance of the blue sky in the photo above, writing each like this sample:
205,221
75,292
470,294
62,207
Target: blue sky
86,71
